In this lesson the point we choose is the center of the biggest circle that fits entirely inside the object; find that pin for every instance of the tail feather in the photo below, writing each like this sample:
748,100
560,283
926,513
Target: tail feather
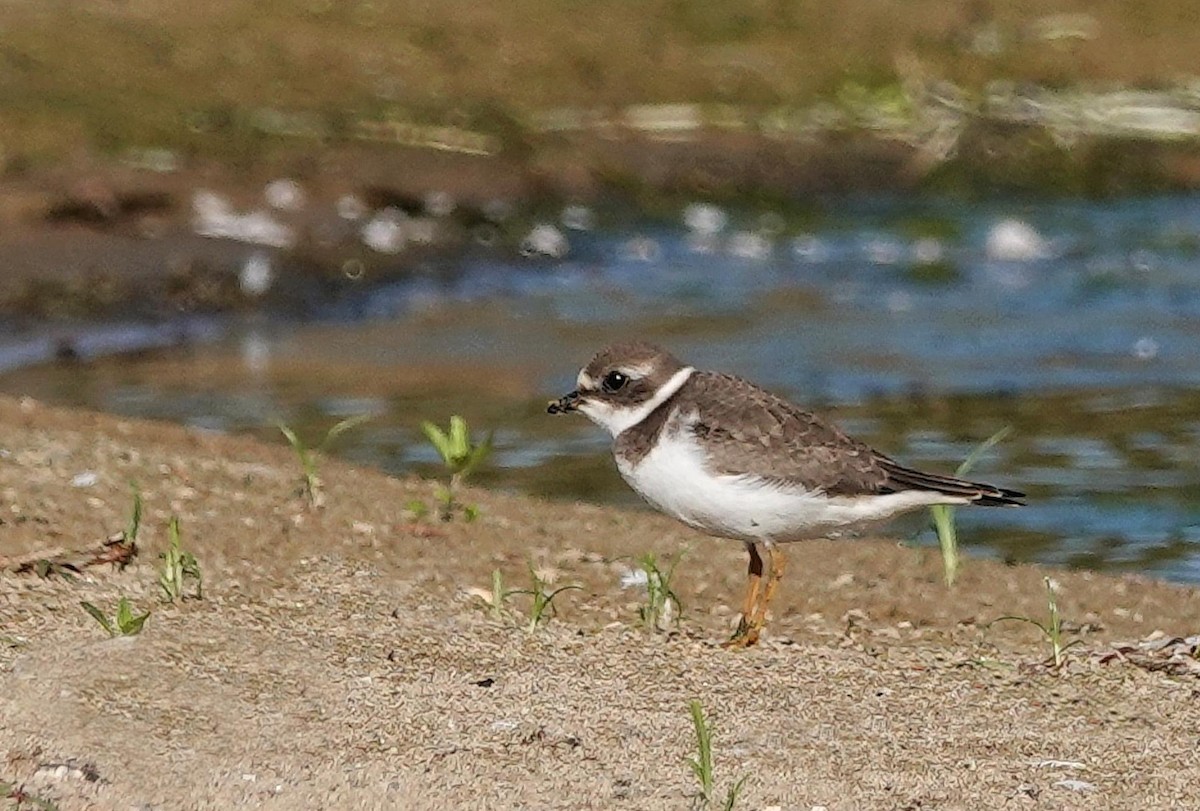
904,478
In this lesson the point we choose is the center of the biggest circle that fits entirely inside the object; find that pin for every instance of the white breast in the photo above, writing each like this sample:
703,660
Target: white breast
673,478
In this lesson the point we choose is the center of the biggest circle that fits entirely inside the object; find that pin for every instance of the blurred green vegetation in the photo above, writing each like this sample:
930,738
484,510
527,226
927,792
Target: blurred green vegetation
210,79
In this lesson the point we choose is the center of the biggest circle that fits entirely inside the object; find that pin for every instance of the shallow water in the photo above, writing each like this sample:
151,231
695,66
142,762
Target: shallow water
902,320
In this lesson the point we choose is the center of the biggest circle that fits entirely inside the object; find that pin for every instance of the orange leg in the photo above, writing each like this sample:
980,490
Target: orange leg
746,634
778,565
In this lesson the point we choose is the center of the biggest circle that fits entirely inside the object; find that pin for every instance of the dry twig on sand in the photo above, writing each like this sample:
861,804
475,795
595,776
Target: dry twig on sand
44,562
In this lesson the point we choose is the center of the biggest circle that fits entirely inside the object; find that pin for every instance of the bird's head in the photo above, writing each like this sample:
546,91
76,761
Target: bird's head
622,384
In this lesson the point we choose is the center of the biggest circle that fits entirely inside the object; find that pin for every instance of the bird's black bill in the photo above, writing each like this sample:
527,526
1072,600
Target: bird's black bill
565,404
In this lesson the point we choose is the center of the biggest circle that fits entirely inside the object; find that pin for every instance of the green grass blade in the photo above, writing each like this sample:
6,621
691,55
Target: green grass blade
124,612
98,615
499,595
170,580
943,522
297,446
190,567
127,623
437,437
732,797
572,587
943,515
982,448
134,626
477,456
460,440
342,427
135,518
1045,631
702,763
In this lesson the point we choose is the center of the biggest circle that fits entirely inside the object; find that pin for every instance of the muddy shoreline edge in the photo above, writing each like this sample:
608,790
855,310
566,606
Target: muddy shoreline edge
90,241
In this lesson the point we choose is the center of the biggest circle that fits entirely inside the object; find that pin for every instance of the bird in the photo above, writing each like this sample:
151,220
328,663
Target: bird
732,460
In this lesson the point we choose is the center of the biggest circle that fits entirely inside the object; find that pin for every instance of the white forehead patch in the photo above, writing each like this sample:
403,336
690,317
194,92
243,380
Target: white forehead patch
584,381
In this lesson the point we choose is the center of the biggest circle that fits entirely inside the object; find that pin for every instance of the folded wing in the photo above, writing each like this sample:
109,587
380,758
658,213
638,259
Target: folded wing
753,432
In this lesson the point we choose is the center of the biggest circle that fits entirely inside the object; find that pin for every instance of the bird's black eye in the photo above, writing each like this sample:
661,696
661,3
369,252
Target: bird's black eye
614,381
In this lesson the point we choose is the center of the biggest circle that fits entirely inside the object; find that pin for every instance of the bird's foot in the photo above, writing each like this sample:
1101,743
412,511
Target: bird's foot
745,636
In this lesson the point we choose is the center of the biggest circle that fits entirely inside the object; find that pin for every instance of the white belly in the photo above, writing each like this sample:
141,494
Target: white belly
672,478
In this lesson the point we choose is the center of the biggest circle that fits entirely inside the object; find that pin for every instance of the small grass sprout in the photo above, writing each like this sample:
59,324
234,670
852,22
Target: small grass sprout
460,456
135,515
178,566
126,623
1052,629
943,514
310,482
662,608
418,508
541,595
702,764
496,599
541,607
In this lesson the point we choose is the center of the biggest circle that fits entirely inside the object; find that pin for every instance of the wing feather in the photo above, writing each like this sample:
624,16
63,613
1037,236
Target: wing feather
753,432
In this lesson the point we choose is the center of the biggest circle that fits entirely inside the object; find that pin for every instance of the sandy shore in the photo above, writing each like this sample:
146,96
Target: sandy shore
338,660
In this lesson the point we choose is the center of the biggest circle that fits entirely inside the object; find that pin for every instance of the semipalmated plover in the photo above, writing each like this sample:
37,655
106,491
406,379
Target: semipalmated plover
732,460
